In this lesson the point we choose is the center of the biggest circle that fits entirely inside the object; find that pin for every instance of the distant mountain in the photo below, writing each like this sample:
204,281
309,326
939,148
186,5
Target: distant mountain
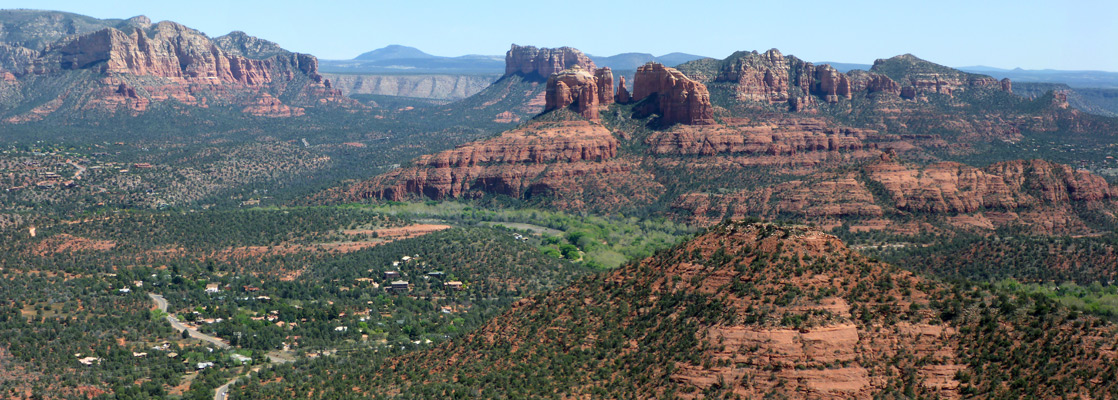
394,52
630,61
410,60
1076,79
846,67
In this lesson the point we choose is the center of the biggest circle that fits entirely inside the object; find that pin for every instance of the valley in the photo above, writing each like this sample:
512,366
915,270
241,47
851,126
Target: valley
188,216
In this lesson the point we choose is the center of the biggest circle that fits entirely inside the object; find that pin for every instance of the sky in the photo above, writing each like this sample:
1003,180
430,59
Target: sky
1030,34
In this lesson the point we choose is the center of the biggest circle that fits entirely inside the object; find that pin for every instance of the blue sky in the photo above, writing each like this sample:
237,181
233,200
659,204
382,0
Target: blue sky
1070,34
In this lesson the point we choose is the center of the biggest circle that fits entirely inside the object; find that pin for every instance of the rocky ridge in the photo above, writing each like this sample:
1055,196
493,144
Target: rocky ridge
137,63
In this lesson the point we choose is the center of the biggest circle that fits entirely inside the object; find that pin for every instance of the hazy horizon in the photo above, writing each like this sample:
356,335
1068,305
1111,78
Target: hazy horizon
1076,35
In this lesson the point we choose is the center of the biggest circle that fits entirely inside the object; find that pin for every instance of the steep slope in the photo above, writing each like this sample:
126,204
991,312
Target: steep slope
747,311
136,64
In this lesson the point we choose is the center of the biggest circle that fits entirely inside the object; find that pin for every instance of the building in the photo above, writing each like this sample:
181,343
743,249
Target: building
212,288
399,285
456,285
390,275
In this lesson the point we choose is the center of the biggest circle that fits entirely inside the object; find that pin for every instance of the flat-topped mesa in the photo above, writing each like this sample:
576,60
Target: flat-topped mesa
576,87
679,99
542,62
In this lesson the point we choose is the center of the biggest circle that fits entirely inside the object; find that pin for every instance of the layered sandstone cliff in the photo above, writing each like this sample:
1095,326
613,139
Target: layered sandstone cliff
1045,197
171,50
677,98
137,63
542,62
559,160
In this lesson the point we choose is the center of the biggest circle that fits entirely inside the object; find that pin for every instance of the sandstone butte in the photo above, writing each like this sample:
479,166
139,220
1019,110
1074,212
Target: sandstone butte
542,62
144,62
578,87
677,98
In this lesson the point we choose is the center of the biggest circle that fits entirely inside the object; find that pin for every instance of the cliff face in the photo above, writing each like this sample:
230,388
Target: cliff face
439,87
1013,185
175,51
772,77
579,88
678,99
136,64
542,62
555,160
1043,196
575,87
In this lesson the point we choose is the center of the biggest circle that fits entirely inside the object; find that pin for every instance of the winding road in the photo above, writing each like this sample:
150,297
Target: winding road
161,303
222,392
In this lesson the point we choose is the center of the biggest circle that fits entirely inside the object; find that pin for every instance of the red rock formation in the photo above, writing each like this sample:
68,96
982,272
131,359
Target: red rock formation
556,160
908,92
763,77
576,87
622,92
780,137
1007,85
175,51
268,106
831,84
543,62
147,63
678,98
873,83
604,77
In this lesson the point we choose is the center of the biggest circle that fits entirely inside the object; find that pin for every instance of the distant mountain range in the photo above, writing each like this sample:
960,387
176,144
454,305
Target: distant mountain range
405,59
1075,79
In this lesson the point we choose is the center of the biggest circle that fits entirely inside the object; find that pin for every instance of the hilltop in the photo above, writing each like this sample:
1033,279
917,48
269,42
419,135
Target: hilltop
746,310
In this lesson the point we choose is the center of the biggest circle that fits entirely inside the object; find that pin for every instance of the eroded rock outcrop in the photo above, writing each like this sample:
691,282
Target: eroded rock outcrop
767,76
957,188
604,77
554,160
542,62
573,87
622,92
677,98
171,50
137,63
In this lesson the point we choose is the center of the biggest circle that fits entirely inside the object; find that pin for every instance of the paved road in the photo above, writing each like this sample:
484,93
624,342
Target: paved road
161,303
